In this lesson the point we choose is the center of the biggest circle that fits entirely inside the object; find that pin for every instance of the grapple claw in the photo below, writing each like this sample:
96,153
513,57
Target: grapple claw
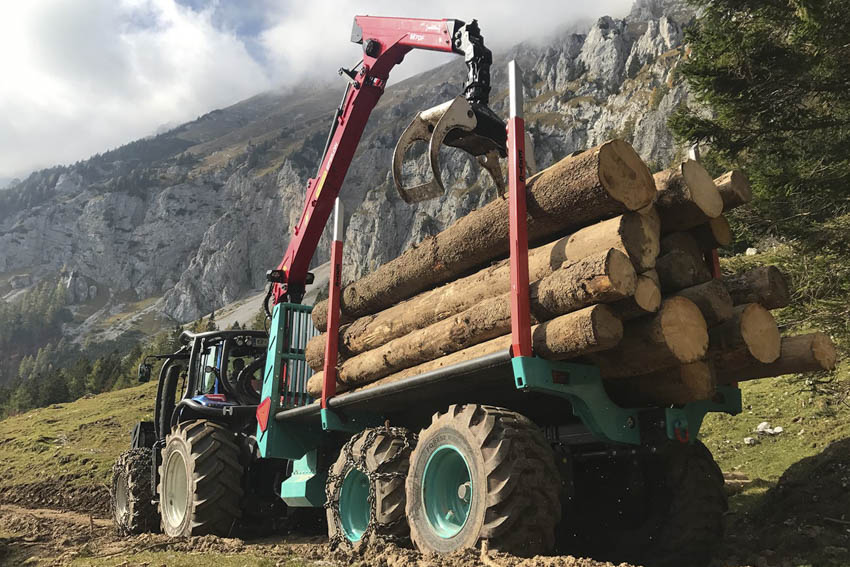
457,123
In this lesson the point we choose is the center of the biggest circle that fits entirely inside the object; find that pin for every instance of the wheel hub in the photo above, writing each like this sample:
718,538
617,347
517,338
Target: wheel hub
176,495
354,510
122,500
447,491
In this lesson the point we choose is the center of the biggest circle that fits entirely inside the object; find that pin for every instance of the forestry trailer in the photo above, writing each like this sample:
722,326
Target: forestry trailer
527,453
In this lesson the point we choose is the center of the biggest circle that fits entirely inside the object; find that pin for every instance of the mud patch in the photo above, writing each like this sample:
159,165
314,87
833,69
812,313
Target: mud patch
60,495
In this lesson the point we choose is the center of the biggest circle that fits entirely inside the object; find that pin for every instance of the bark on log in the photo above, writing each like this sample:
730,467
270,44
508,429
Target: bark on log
588,330
602,278
751,330
675,335
669,386
712,299
764,285
734,188
684,241
598,183
635,234
687,197
716,233
679,269
632,233
646,299
803,353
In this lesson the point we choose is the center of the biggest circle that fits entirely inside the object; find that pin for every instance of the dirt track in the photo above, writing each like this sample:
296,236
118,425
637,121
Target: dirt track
804,520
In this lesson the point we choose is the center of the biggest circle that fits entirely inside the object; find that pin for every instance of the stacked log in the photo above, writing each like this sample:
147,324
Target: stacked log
619,277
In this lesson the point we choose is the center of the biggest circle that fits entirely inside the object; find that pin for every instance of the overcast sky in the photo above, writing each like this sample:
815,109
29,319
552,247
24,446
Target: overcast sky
79,77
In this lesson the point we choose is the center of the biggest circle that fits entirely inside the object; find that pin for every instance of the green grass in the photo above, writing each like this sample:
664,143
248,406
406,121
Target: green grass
786,402
78,440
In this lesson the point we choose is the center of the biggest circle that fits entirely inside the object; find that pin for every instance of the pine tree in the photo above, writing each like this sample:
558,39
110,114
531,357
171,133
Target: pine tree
774,76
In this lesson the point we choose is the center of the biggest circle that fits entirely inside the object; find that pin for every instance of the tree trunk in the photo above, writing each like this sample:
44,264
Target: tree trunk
676,334
764,285
687,197
575,334
803,353
734,188
598,183
669,386
632,233
751,329
646,299
712,299
679,269
603,278
716,233
635,234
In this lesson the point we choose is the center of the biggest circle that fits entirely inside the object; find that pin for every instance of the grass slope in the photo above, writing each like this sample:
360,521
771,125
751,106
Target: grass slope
75,443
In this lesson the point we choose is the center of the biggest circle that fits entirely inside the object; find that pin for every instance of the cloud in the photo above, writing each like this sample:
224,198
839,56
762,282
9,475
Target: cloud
84,76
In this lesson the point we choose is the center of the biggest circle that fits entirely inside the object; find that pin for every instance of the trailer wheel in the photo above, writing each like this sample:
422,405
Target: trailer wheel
661,510
694,523
365,487
131,495
200,481
481,472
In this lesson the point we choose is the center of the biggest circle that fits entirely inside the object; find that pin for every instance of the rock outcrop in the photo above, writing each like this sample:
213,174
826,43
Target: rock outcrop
196,216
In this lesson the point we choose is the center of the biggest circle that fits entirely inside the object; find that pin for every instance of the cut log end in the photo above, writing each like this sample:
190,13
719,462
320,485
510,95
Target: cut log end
620,272
760,333
648,292
683,328
823,351
624,175
702,188
734,188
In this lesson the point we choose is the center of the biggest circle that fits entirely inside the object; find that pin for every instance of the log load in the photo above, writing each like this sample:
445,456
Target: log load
687,197
634,234
669,386
630,290
588,330
713,301
802,353
764,285
599,183
716,233
675,335
734,188
601,278
646,299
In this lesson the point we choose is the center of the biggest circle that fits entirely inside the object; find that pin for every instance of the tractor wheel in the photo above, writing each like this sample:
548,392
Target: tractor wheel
481,472
200,481
365,487
131,494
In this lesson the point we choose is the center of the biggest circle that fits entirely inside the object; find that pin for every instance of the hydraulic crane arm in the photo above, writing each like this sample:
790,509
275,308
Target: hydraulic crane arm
385,42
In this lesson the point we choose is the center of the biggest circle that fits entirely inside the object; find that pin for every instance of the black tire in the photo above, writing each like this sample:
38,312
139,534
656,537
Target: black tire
697,506
660,510
382,454
131,495
514,484
201,458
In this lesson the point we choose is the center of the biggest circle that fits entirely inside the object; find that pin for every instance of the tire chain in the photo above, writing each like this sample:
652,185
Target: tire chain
334,482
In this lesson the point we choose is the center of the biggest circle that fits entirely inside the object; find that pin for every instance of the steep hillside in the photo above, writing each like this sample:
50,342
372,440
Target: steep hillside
180,224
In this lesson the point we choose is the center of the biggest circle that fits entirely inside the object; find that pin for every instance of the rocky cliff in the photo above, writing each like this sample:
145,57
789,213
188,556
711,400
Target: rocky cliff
191,219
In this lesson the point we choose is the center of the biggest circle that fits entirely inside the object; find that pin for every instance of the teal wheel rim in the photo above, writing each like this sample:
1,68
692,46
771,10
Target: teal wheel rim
354,505
447,491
